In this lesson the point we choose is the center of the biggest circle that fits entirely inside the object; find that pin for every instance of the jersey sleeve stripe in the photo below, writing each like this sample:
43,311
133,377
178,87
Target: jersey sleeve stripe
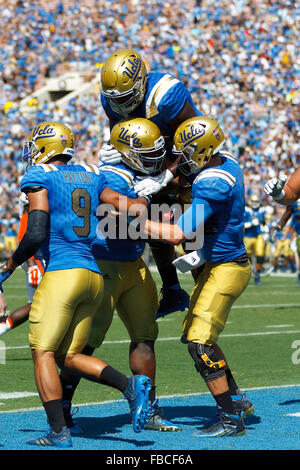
157,93
215,173
123,173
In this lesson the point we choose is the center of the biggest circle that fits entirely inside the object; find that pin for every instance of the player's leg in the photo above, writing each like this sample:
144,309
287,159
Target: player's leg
137,308
63,335
217,288
135,389
100,325
259,253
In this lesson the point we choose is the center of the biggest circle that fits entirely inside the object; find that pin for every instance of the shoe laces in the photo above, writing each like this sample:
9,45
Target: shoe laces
154,409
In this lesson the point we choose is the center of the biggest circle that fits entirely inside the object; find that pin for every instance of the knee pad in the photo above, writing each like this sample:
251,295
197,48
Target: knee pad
206,360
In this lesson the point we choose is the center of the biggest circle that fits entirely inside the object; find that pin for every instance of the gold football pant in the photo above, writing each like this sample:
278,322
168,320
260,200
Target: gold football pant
282,246
255,245
130,289
63,306
216,289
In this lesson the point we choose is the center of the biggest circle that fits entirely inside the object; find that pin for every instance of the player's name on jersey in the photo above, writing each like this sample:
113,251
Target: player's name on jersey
77,177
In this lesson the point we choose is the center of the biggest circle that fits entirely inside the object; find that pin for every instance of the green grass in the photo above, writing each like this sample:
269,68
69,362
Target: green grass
257,342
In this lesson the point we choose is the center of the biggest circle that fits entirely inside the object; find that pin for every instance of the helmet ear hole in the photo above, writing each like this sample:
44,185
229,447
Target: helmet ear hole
42,150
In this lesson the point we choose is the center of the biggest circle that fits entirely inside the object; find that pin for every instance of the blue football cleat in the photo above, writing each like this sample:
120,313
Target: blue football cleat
68,414
137,395
172,300
224,425
157,422
257,279
242,405
53,439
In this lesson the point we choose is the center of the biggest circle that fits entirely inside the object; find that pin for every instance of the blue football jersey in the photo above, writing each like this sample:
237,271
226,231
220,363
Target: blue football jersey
164,99
220,190
250,216
295,222
121,179
73,194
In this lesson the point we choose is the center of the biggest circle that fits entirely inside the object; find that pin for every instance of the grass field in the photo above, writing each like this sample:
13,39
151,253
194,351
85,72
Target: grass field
261,341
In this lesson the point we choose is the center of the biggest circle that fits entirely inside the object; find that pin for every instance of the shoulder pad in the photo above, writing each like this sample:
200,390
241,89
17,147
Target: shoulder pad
157,93
216,173
121,172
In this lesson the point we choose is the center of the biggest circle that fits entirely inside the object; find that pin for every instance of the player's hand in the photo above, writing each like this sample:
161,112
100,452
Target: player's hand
274,188
34,276
153,184
4,274
109,155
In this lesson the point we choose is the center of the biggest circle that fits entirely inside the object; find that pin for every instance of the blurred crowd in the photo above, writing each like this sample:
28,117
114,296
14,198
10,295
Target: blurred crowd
240,59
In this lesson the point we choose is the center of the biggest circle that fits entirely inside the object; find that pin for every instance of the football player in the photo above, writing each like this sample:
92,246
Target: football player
63,200
128,89
253,237
283,247
128,285
217,212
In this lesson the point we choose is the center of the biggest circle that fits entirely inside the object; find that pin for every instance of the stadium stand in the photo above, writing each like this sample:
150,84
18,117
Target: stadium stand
240,60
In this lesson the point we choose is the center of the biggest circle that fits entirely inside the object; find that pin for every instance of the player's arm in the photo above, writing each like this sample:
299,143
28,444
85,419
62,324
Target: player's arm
37,229
185,228
123,203
284,193
284,218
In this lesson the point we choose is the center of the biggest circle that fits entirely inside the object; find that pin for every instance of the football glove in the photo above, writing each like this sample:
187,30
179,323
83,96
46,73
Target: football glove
274,188
23,201
34,276
108,155
4,274
154,184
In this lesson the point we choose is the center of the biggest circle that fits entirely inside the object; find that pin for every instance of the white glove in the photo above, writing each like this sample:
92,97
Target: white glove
189,261
274,188
23,201
154,184
109,155
34,276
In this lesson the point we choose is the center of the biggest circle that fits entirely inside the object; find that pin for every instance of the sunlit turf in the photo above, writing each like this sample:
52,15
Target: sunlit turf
259,342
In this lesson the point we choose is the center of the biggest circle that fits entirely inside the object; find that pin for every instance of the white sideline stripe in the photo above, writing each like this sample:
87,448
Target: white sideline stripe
187,395
293,414
177,338
13,395
277,326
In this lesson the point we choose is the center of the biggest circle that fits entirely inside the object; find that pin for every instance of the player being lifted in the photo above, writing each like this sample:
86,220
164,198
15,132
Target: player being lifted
129,90
63,199
217,208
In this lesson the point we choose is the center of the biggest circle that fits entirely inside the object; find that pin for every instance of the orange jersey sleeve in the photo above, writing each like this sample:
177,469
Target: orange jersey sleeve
23,226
